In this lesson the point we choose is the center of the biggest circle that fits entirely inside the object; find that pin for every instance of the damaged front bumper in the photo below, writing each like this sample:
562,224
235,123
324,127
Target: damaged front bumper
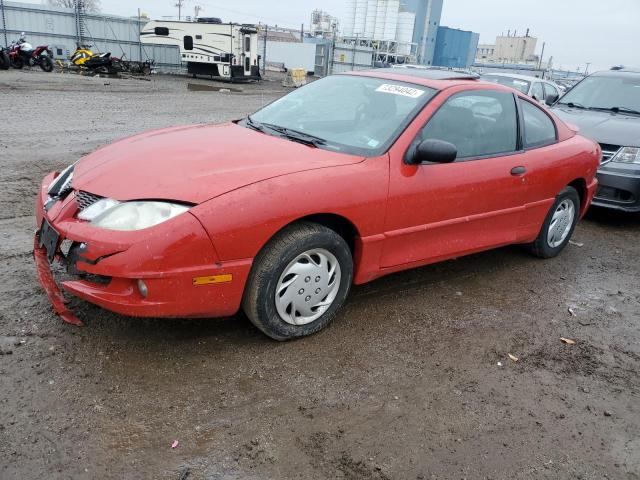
170,270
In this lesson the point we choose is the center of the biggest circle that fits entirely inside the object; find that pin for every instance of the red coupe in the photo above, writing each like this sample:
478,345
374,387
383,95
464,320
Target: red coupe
342,181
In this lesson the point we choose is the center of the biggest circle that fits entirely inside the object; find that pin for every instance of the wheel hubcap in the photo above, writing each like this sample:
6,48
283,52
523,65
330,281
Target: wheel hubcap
561,223
308,286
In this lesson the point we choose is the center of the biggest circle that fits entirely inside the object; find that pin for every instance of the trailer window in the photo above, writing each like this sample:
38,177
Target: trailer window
198,37
247,44
188,42
161,31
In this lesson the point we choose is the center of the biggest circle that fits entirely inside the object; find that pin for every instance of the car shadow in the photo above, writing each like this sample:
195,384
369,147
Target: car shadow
613,218
237,330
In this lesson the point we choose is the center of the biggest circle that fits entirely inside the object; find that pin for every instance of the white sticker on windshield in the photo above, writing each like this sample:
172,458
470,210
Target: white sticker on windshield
400,90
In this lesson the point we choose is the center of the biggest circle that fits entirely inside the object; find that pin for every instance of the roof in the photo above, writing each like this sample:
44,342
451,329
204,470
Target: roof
433,78
436,73
528,78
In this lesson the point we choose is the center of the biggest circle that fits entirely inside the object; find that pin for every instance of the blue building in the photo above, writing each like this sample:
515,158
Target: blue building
428,13
455,48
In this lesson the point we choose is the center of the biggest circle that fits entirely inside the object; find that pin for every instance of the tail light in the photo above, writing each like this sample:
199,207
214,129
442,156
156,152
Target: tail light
255,62
234,61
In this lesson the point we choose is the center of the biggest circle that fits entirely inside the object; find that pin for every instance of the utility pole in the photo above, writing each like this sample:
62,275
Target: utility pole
196,11
180,4
541,56
586,70
302,32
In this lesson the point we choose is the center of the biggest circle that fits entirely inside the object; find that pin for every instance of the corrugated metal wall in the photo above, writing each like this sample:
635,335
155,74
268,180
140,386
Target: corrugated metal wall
106,33
454,48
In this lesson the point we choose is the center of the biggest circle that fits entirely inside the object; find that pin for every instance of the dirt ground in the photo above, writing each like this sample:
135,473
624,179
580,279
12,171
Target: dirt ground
412,380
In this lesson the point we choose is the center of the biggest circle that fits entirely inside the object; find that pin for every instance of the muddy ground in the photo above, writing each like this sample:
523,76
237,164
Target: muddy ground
405,384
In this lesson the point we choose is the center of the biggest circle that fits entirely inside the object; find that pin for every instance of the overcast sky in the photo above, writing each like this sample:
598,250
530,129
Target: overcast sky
602,32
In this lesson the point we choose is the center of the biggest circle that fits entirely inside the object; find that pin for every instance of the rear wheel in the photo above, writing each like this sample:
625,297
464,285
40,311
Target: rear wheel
46,64
558,225
298,281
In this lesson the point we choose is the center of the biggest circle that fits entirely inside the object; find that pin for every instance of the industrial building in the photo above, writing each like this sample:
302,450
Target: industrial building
428,14
509,48
411,25
455,48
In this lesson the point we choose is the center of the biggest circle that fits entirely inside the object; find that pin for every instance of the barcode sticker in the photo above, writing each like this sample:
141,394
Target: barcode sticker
400,90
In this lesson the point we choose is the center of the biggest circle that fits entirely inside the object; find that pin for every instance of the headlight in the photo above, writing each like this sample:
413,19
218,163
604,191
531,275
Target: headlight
627,155
113,215
62,182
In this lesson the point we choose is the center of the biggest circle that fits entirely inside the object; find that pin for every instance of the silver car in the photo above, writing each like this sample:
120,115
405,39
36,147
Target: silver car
544,91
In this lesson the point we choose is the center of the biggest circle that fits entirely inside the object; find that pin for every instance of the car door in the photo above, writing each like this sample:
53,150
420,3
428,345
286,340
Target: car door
540,160
438,211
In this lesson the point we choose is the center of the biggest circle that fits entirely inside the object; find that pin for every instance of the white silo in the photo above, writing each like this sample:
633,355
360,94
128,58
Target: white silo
404,32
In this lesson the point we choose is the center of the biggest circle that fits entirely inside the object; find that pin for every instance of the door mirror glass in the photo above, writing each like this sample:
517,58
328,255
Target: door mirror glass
435,151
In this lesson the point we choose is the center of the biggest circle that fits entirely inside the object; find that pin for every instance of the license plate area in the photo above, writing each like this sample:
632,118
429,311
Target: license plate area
49,239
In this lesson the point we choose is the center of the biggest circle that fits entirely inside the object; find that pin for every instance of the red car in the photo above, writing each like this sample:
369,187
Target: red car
342,181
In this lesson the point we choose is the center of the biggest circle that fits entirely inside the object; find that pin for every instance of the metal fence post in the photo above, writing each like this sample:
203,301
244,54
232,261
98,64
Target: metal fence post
264,49
4,23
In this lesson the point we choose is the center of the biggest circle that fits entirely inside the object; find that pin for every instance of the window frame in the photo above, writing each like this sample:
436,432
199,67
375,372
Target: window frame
519,130
523,130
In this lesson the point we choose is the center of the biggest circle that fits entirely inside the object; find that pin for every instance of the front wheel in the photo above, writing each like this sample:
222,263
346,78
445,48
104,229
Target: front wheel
46,64
559,224
298,281
17,62
5,63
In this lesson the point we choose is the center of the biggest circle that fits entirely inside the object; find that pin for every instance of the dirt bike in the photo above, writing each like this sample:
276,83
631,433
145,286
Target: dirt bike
21,53
5,62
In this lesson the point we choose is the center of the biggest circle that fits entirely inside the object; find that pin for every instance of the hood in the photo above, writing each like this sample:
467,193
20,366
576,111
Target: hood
603,127
195,163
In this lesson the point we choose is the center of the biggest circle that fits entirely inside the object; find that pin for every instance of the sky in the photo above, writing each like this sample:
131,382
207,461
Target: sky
576,32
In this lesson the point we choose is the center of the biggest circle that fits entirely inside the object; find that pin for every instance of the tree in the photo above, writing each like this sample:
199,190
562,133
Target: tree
89,5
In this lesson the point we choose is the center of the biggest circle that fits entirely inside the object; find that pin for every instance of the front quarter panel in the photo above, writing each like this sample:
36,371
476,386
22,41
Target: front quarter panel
241,222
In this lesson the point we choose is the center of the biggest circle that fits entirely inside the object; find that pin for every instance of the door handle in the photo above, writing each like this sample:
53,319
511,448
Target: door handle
518,171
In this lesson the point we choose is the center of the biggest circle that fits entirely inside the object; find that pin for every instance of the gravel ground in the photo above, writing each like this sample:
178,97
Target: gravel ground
412,380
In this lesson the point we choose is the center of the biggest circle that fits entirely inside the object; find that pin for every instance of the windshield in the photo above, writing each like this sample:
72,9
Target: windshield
521,85
597,92
346,113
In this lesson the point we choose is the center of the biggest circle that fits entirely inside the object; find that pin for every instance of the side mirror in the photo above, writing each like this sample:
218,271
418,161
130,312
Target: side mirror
436,151
551,98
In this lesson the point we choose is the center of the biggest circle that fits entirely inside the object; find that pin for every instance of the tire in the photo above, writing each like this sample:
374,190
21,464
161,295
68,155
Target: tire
46,64
5,63
17,63
298,247
548,245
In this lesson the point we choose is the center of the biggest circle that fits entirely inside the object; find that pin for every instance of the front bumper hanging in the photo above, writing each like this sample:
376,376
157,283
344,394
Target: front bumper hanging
51,287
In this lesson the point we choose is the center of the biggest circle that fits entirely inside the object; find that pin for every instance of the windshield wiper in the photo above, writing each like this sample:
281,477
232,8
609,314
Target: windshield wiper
253,125
623,110
572,105
296,135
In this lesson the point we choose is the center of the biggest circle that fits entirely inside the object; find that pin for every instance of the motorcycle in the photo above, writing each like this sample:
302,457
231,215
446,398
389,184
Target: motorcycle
95,62
22,53
5,62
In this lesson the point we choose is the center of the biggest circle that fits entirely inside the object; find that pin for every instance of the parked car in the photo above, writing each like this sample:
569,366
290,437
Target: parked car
606,107
543,91
342,181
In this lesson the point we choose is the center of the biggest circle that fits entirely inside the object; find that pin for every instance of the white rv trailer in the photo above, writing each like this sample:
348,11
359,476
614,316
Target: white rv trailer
223,50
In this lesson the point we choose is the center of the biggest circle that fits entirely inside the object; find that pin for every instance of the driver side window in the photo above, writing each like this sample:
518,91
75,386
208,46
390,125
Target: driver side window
479,123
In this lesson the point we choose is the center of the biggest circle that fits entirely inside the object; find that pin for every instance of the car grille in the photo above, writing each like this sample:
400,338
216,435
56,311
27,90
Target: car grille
86,199
608,152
